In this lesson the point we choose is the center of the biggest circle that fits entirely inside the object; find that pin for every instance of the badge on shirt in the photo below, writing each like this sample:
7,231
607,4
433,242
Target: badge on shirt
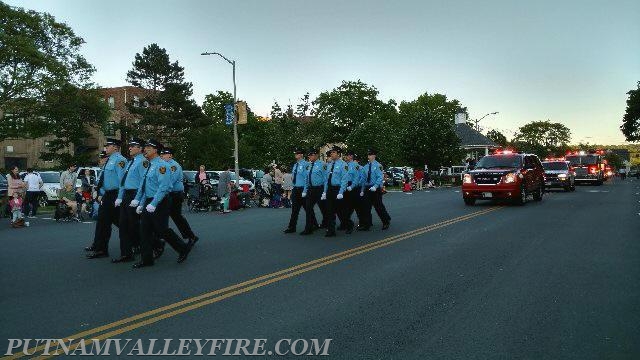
121,164
174,168
162,170
145,164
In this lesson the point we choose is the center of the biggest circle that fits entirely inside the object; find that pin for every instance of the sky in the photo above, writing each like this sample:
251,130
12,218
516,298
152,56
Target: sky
567,61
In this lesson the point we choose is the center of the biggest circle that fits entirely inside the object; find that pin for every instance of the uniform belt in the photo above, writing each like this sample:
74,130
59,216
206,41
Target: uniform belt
109,191
316,187
177,192
334,186
128,191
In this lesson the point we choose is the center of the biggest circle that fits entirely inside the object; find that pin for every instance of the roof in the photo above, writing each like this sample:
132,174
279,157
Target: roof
469,137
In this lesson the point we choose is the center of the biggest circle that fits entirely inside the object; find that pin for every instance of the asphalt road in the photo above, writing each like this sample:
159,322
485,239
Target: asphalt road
557,279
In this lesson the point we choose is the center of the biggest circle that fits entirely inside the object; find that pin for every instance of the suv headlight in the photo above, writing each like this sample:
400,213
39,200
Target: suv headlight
467,179
562,176
510,178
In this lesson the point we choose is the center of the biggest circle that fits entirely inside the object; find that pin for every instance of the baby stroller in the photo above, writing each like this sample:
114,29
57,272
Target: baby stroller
63,212
201,197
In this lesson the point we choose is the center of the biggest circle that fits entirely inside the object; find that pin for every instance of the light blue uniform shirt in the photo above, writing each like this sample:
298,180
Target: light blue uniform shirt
114,171
316,174
157,182
177,184
353,174
376,179
134,175
338,171
299,173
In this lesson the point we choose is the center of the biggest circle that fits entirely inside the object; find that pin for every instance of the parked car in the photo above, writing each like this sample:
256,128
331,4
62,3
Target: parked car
50,186
504,175
215,176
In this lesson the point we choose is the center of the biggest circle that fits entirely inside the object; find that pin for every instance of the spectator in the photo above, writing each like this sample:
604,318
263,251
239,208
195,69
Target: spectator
14,183
287,187
224,189
419,176
68,196
201,176
15,204
33,184
278,180
267,182
88,181
70,175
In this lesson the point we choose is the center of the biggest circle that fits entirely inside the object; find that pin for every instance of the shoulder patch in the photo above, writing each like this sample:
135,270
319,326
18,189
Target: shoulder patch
162,169
121,164
145,164
174,168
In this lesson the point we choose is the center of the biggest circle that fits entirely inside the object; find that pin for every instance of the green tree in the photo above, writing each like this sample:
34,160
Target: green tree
214,106
345,107
631,121
542,138
70,112
38,55
171,115
614,160
428,135
497,137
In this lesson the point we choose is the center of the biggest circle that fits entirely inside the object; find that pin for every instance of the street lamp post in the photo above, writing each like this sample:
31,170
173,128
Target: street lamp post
478,120
235,118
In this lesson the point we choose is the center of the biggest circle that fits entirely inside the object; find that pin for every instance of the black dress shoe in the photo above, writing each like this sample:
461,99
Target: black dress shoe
141,265
330,234
195,239
306,232
385,226
289,230
90,248
122,259
185,253
98,254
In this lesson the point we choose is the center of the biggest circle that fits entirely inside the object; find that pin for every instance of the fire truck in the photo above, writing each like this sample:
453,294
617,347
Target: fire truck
588,166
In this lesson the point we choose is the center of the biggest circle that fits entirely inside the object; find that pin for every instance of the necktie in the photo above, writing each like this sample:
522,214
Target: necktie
311,172
369,175
126,173
144,182
295,173
331,173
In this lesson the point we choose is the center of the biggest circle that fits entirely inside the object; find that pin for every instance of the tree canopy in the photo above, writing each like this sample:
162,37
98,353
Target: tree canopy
631,121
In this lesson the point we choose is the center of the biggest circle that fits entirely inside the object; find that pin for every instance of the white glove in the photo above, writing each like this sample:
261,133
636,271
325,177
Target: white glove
139,210
150,208
361,193
324,196
349,188
118,202
373,188
339,197
304,194
134,203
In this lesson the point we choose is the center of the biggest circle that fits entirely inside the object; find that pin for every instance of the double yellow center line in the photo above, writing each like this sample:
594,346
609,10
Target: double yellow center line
131,323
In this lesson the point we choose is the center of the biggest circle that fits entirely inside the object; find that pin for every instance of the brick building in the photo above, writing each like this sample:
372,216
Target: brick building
26,152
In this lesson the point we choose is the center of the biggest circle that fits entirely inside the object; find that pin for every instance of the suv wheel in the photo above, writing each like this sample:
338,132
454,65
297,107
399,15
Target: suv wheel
522,199
469,201
42,201
537,196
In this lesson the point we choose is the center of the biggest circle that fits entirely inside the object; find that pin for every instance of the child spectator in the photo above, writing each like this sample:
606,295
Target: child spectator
15,204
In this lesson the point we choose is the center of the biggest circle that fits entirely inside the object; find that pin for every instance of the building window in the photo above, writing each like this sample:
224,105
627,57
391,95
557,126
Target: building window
9,148
110,128
112,102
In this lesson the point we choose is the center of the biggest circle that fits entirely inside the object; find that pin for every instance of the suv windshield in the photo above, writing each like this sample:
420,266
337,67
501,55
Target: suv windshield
52,177
499,161
555,165
582,159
